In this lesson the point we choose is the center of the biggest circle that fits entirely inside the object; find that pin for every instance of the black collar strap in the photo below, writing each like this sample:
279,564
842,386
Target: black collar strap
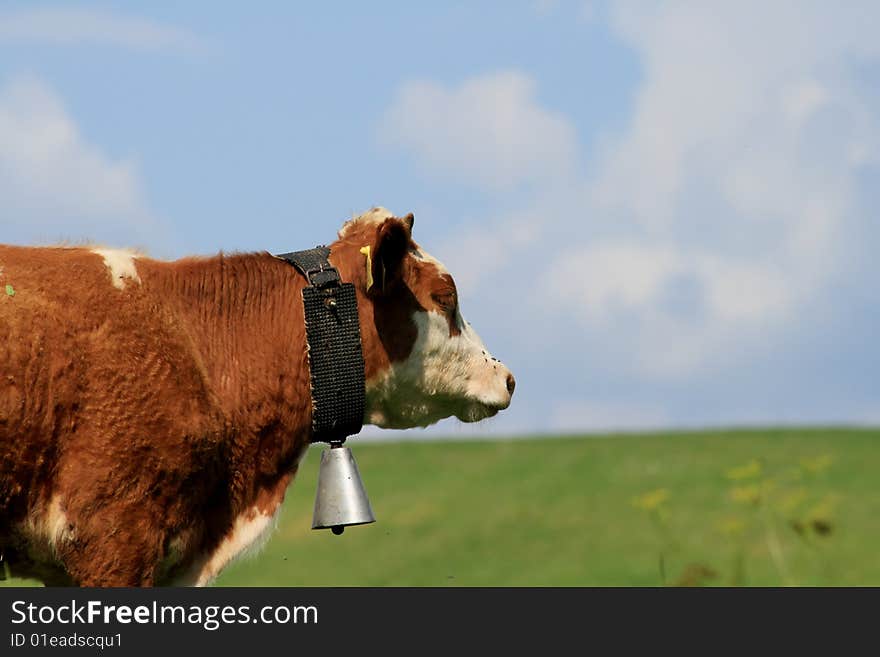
333,334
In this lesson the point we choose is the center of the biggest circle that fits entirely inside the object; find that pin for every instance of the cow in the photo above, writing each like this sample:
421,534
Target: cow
153,414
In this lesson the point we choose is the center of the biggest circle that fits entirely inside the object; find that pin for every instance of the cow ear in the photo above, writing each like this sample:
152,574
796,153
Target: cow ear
409,220
392,242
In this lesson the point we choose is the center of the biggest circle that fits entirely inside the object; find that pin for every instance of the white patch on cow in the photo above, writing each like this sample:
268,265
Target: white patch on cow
120,263
248,535
374,216
50,526
443,376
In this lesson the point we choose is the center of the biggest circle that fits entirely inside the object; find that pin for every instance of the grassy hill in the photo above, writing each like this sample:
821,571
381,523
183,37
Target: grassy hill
774,507
796,507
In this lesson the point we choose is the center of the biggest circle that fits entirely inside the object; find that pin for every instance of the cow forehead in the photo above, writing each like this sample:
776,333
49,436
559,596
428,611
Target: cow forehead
374,216
423,256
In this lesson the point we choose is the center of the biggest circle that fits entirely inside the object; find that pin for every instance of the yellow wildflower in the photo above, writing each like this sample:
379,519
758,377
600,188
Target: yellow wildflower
749,494
651,500
750,470
732,526
817,464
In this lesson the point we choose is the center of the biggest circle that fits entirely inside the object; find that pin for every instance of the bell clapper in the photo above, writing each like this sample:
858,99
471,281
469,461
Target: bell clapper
337,529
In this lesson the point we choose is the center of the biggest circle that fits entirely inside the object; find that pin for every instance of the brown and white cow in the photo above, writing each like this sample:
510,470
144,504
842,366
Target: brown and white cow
152,414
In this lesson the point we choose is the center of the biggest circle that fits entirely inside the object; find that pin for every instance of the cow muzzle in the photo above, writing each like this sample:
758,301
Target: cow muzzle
495,396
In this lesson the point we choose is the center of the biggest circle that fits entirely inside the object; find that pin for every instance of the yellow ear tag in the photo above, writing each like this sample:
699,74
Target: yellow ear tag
366,251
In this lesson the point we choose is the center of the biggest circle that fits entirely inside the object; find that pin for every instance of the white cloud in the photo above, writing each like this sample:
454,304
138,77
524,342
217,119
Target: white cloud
672,307
802,99
729,89
53,182
75,26
714,224
488,245
737,175
489,131
609,277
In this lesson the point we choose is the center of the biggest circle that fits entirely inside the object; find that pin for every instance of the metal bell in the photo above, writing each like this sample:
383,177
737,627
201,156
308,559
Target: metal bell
341,499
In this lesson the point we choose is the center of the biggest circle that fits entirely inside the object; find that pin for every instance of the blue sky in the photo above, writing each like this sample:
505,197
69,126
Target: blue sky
659,214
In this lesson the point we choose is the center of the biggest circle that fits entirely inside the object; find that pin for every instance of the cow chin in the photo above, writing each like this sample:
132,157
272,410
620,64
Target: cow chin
430,411
477,411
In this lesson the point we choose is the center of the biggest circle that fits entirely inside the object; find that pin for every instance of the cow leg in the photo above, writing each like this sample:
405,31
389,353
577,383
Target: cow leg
112,549
23,565
111,565
59,579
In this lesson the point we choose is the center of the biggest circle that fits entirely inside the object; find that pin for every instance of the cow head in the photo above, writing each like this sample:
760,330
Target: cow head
423,361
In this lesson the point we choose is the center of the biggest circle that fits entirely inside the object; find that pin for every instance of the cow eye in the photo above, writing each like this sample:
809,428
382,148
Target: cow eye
446,300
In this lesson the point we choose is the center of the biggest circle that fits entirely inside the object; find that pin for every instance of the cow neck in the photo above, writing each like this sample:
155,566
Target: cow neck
333,336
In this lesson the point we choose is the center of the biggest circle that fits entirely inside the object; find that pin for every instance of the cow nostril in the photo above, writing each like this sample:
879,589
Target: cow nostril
511,383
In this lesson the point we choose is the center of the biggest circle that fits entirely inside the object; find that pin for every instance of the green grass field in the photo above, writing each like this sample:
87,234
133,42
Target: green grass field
772,507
